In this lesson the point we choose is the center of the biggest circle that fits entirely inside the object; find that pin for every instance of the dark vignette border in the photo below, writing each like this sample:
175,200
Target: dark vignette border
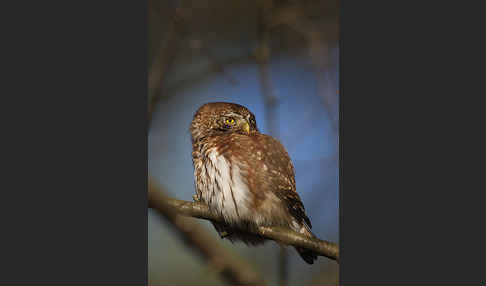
82,208
83,212
393,87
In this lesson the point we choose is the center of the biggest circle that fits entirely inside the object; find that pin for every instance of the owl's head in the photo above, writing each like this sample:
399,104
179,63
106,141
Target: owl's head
217,118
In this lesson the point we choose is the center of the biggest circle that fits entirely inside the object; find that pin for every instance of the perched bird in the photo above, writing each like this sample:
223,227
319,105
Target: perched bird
244,176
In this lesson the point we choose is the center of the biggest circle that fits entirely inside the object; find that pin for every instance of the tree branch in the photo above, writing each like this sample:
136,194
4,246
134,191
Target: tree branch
294,16
162,63
234,270
282,235
177,30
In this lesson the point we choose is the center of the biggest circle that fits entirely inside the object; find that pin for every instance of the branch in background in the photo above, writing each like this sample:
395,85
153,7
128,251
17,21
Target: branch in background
270,103
326,89
281,235
177,29
161,64
201,75
233,270
283,262
215,65
263,58
295,17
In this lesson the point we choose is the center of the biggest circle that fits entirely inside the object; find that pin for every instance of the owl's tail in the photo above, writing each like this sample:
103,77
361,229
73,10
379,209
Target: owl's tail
308,255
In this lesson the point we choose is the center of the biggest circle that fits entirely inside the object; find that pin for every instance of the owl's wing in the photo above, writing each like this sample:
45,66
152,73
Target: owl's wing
279,171
295,206
267,171
266,167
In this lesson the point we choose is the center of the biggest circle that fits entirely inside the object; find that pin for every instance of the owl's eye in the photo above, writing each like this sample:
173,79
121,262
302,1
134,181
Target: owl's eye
230,121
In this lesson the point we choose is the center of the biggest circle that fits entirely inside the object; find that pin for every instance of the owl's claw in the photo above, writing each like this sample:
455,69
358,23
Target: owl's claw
223,234
195,198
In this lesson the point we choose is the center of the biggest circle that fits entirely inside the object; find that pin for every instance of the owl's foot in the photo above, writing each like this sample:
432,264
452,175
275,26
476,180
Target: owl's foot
195,198
224,234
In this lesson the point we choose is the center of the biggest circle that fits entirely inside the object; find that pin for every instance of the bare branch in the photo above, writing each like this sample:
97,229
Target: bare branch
295,17
281,235
199,75
177,30
263,58
234,270
162,63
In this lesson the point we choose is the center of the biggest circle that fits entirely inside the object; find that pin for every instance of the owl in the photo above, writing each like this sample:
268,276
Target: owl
244,176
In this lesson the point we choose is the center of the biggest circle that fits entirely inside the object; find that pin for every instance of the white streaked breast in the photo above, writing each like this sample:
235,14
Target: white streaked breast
224,192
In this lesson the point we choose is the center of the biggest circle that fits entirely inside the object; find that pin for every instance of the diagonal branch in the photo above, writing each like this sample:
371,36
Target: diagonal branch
176,31
285,236
161,65
234,270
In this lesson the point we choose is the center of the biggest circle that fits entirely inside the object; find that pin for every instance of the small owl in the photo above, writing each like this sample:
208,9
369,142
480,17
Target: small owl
244,176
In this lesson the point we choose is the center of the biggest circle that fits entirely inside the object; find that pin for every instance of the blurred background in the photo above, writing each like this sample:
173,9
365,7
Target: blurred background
279,59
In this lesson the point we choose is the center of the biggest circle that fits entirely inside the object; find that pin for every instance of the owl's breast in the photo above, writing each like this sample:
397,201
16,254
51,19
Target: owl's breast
221,184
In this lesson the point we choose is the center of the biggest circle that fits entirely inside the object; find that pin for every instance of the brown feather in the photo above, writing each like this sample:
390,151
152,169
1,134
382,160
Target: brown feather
248,178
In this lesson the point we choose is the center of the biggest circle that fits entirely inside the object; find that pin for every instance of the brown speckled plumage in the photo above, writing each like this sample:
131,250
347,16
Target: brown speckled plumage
243,175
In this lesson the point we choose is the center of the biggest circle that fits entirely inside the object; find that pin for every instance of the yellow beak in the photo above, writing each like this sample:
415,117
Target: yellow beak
246,127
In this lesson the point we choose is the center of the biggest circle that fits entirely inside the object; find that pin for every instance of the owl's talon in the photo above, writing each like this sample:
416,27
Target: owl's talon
195,198
224,234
